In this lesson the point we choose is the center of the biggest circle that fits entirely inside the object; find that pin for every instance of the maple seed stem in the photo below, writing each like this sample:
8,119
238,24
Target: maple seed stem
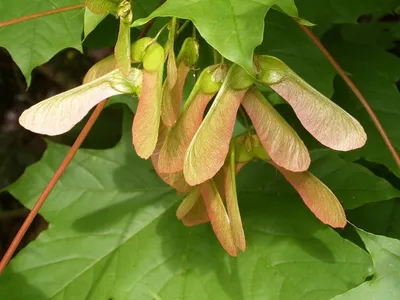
32,214
183,26
355,90
41,14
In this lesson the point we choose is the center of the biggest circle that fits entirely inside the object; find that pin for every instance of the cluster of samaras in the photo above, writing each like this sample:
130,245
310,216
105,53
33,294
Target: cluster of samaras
192,148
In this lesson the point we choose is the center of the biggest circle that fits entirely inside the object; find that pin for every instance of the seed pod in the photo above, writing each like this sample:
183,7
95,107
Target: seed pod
176,179
197,215
138,49
326,121
109,63
317,196
232,201
122,50
172,154
207,151
147,119
218,216
188,202
280,141
248,147
172,95
60,113
243,148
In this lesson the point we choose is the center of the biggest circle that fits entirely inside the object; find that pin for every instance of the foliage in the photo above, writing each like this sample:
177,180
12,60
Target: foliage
114,231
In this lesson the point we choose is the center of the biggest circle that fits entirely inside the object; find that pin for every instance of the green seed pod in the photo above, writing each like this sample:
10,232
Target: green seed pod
258,149
269,69
243,149
153,57
138,49
211,80
189,52
240,79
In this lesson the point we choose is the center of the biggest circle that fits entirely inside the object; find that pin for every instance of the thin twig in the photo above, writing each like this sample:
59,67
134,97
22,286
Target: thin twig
31,216
183,26
356,91
41,14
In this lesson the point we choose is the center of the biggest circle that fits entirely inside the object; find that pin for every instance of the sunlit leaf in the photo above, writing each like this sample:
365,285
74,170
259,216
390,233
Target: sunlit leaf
385,254
147,119
60,113
233,27
114,234
208,149
317,196
326,121
281,142
218,216
172,153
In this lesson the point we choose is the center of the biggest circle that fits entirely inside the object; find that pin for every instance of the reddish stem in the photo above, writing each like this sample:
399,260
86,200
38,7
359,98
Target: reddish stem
356,91
41,14
31,216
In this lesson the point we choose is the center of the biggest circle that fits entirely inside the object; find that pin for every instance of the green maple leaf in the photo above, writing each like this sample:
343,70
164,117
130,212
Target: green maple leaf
113,234
34,42
233,27
385,254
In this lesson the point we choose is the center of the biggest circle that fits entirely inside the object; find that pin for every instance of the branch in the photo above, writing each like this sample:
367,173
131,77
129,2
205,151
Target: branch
356,91
40,14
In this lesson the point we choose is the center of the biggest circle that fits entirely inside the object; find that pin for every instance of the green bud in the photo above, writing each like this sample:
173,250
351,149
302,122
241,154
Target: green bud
208,83
153,57
258,149
248,147
189,52
239,78
243,149
269,69
138,49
